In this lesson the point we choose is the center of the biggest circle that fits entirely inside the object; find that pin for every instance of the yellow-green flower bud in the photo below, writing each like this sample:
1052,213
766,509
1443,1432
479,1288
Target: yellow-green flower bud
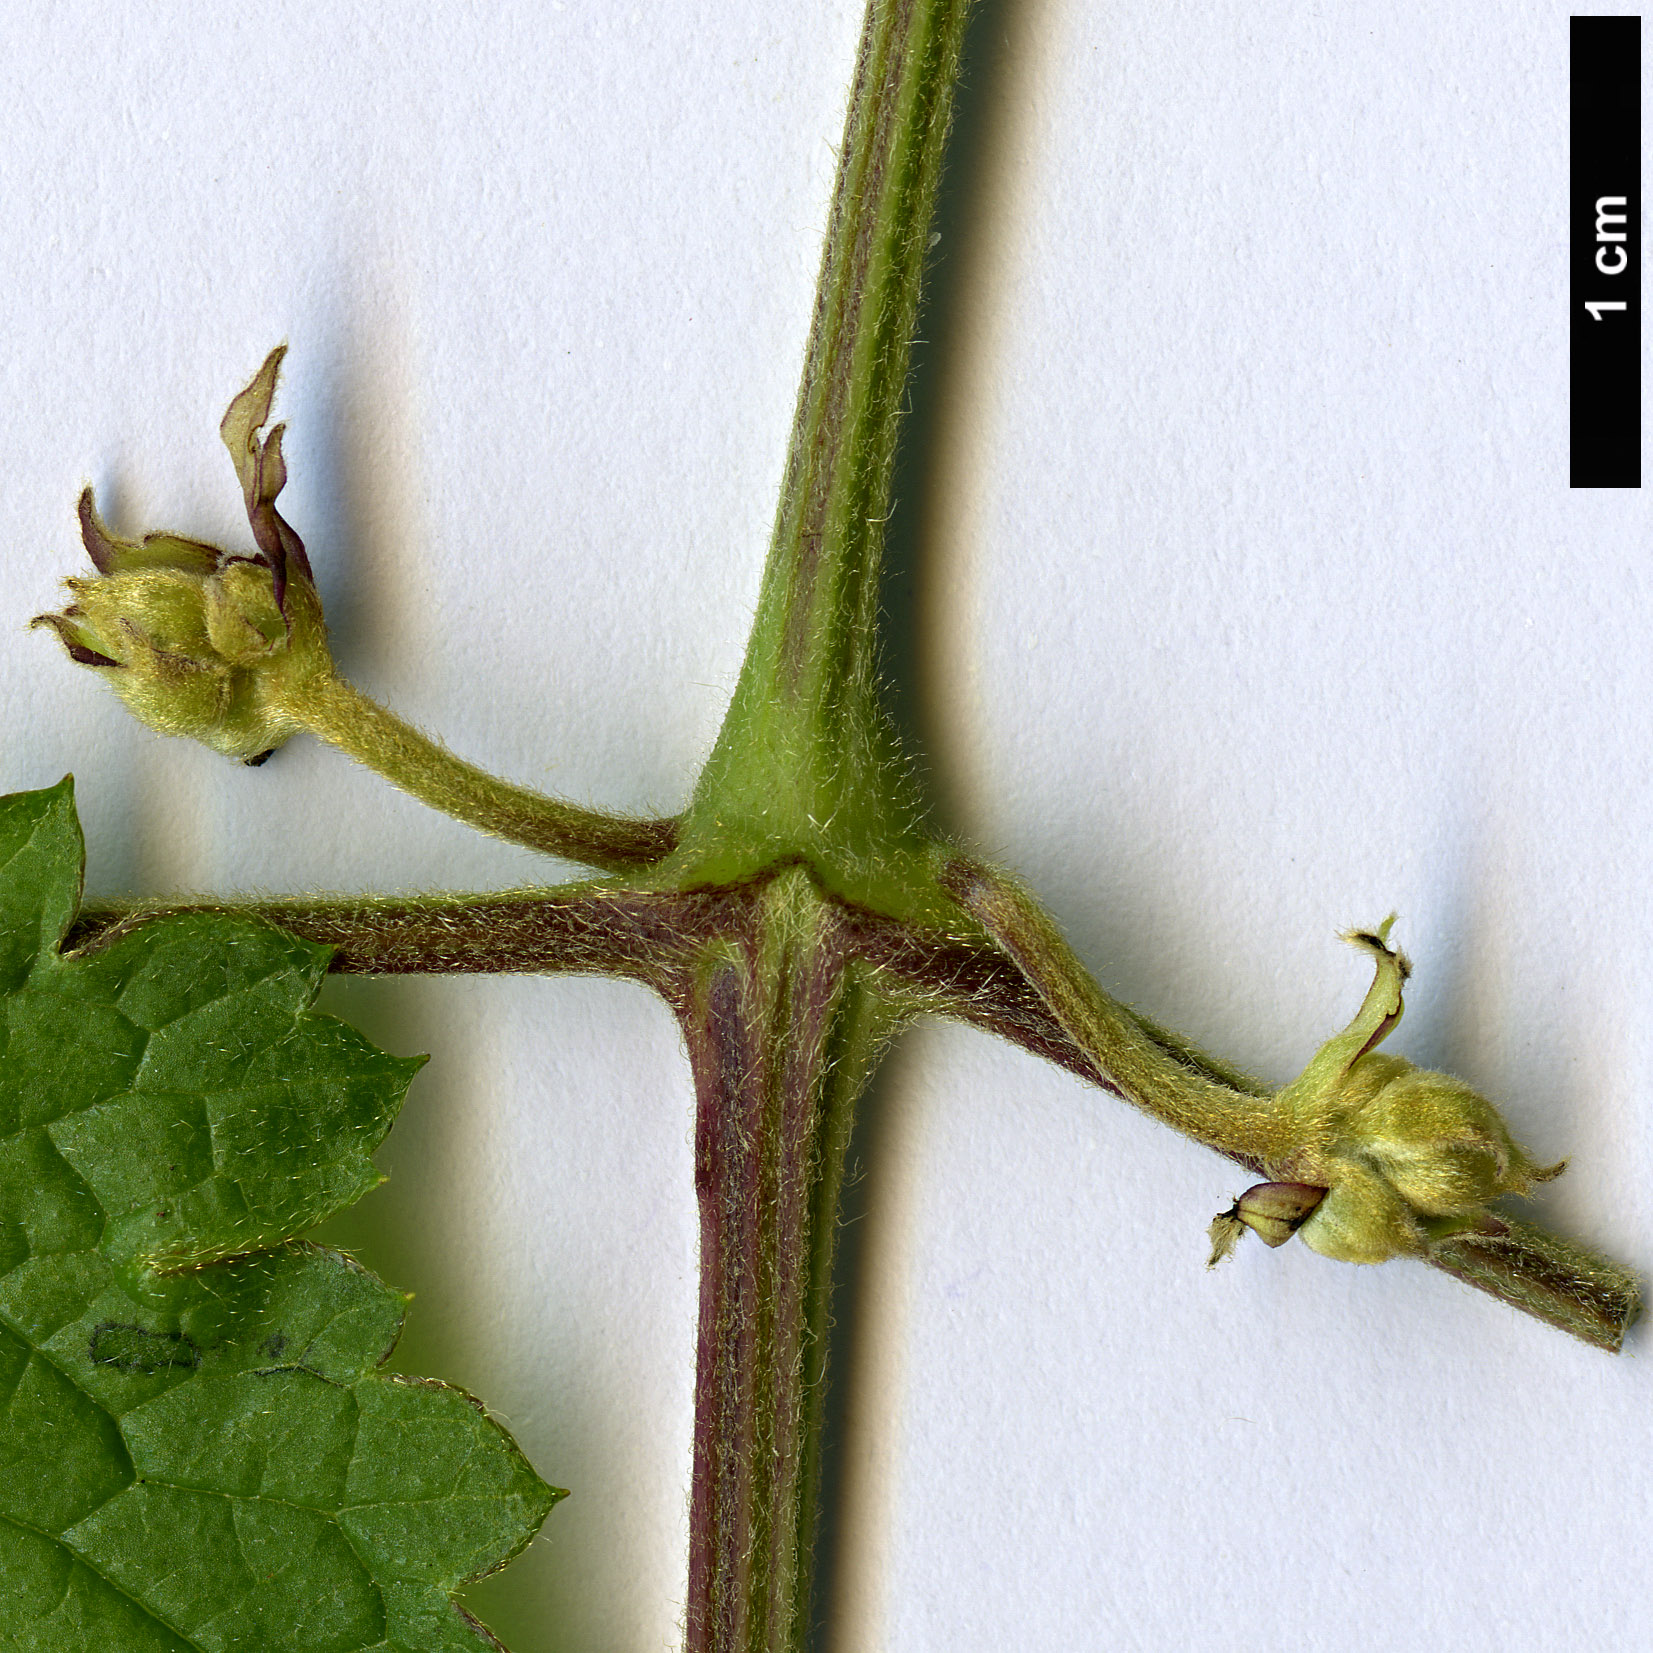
1362,1219
1443,1148
1407,1155
202,642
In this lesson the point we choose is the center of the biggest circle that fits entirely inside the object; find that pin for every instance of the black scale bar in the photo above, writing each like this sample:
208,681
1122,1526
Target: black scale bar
1605,241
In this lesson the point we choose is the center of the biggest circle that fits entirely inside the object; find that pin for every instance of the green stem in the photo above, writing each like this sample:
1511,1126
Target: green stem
1163,1075
336,711
806,755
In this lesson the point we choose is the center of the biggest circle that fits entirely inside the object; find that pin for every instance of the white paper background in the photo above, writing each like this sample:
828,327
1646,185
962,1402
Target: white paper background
1254,604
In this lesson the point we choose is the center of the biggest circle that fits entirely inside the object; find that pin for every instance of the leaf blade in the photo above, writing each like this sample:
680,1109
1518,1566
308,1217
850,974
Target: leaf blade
201,1452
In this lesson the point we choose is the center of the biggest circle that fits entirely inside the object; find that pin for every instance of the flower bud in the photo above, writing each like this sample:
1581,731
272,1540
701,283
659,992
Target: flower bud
1362,1219
197,641
1408,1156
1441,1146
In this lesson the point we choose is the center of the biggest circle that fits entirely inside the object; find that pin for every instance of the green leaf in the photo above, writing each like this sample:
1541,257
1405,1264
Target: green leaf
199,1450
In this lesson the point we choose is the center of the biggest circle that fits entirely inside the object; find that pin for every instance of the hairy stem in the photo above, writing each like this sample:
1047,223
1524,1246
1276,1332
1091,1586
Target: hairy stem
1184,1088
339,713
1554,1279
659,938
782,1033
806,755
577,929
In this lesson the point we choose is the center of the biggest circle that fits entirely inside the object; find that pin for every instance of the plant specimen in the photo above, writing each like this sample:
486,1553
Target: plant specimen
800,912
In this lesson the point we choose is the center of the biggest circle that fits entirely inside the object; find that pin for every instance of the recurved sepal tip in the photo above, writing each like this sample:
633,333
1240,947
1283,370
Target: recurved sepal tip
198,641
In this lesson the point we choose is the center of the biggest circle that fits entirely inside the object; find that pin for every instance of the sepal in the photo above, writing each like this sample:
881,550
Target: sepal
200,642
